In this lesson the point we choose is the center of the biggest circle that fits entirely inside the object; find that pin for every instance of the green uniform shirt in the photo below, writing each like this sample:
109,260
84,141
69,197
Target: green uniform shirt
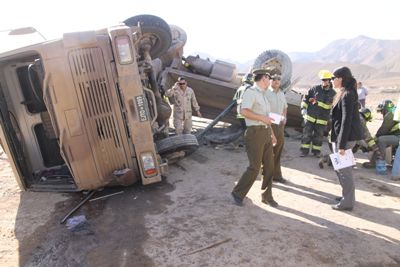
277,101
256,100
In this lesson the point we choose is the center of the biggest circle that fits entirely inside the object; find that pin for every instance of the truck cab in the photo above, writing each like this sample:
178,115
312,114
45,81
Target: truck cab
79,113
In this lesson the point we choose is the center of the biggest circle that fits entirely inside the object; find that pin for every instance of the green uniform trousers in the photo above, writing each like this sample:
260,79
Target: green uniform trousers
259,151
279,131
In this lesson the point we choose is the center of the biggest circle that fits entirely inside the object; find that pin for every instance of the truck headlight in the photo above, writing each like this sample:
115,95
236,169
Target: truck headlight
124,49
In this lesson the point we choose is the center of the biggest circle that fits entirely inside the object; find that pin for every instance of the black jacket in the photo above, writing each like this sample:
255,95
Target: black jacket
346,125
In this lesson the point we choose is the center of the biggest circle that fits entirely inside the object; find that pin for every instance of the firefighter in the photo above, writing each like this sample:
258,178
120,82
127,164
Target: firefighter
368,143
247,82
315,108
387,135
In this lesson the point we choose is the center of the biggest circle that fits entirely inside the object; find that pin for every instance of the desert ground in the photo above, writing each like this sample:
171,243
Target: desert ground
189,219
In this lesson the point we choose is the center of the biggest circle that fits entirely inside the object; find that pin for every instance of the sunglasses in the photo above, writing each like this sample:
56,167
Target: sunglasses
181,83
326,80
276,79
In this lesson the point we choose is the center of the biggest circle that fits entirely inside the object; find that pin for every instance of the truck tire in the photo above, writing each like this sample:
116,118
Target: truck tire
278,59
224,135
184,142
155,28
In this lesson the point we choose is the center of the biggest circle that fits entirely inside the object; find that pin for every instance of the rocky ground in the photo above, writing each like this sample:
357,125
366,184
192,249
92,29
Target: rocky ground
189,218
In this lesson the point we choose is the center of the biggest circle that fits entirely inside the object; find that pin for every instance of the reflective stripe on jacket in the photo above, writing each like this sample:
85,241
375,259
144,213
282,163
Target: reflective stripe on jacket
319,112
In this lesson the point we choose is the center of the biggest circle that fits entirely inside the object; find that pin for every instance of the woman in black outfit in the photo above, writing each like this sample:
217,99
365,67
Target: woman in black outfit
346,130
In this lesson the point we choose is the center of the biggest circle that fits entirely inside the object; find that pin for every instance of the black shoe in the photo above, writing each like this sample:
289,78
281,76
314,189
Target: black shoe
303,154
368,165
237,200
280,180
338,207
338,198
321,164
271,202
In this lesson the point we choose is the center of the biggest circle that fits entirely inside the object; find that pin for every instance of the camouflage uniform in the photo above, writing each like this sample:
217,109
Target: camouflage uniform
318,103
183,102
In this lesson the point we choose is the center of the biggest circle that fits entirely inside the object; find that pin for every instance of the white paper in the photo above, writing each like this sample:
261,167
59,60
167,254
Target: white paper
340,162
396,116
276,118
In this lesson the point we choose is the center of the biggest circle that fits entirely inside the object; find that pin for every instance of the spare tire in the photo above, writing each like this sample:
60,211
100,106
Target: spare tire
178,34
184,142
277,59
156,29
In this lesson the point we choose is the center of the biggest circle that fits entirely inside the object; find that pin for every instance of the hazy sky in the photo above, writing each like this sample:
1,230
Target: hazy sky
236,30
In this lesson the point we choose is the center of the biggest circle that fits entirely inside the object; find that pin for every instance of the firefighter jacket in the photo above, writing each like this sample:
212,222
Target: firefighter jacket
389,126
367,135
238,97
318,103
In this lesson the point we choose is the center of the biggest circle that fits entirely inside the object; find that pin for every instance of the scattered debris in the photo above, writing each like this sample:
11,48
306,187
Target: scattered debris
74,222
78,206
79,225
124,177
113,194
377,194
208,247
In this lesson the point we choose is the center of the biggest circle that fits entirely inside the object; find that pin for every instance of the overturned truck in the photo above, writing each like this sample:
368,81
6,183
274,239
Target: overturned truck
88,110
85,112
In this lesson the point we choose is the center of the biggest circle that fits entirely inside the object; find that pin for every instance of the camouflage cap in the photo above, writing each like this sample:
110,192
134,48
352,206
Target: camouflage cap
261,71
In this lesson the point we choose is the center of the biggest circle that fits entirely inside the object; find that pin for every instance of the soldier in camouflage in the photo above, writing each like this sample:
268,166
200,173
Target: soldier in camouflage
183,98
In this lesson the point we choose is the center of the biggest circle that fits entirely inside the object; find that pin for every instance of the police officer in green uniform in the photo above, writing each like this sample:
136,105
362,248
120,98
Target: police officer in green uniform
316,107
277,100
259,139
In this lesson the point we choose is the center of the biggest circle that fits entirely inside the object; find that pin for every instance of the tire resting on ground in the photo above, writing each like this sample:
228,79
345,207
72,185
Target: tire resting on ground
185,142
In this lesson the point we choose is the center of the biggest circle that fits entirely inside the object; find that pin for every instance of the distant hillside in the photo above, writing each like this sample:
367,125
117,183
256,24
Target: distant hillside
373,61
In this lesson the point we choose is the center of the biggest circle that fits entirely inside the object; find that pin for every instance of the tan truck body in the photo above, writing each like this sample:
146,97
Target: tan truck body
95,124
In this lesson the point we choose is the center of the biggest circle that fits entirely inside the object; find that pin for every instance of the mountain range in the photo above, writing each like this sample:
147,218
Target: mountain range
375,62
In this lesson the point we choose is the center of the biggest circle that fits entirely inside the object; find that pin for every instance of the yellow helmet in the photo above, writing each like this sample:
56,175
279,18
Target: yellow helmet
325,75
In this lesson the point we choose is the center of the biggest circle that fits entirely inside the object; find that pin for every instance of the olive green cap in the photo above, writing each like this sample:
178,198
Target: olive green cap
261,71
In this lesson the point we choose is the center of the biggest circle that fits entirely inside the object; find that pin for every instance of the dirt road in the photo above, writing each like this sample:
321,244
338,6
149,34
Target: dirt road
189,219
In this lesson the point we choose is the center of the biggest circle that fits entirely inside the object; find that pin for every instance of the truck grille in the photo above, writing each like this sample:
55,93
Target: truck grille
96,101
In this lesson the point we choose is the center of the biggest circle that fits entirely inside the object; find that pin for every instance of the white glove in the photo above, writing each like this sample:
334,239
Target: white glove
303,112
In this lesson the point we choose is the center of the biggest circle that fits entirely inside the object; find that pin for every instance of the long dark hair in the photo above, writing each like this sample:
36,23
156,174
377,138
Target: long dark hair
348,82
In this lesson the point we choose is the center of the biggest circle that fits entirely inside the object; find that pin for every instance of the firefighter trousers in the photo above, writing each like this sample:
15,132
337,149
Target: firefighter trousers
313,135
